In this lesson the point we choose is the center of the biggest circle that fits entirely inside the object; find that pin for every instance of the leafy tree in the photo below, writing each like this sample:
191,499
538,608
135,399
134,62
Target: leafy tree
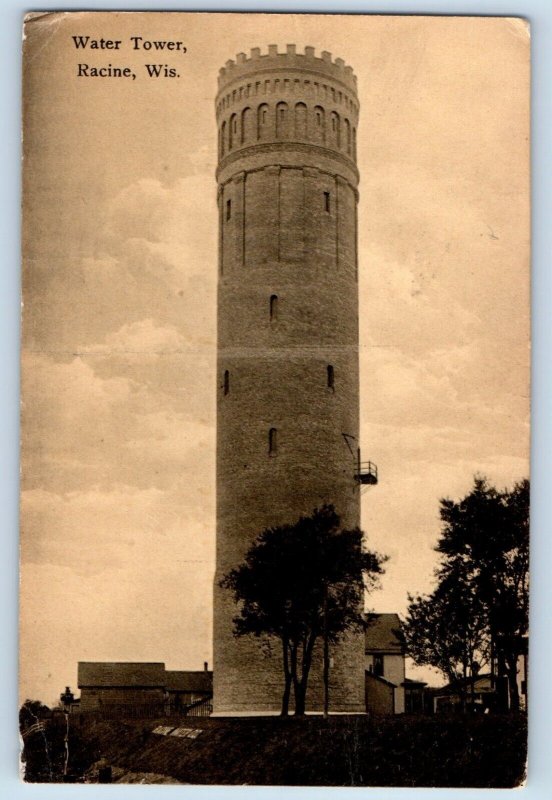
484,547
447,630
300,583
31,712
489,531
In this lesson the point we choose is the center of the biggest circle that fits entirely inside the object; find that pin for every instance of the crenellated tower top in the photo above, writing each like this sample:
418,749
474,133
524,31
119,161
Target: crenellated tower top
292,102
291,59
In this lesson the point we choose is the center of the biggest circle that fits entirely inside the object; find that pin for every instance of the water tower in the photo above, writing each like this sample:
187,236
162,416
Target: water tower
287,373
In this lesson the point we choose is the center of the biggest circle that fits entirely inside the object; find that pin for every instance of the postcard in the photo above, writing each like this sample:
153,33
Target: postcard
275,399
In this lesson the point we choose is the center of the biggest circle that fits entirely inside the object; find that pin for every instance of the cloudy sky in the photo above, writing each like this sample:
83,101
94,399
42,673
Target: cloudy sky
118,493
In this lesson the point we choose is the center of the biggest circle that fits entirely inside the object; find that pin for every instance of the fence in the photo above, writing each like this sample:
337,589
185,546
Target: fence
201,708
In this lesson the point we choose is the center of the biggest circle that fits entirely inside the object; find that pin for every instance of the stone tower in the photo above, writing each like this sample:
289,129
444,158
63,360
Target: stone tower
287,380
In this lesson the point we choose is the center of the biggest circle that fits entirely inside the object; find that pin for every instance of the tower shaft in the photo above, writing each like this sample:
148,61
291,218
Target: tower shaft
287,370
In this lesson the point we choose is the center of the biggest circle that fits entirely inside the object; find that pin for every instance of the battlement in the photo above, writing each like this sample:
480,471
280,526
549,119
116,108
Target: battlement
291,59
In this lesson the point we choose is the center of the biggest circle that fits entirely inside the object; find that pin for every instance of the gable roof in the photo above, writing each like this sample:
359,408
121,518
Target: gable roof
121,673
483,681
383,634
370,676
189,681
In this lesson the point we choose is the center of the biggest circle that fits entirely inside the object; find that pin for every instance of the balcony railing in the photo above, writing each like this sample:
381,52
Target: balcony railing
366,473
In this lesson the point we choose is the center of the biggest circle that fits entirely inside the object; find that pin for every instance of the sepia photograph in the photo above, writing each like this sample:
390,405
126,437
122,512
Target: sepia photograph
275,416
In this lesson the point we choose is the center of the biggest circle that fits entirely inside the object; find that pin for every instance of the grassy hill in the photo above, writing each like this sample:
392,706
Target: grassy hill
461,751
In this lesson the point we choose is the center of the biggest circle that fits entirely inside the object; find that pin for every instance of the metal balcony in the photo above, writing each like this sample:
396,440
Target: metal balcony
366,473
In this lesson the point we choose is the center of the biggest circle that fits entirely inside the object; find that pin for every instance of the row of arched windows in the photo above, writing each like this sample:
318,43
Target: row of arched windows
330,379
285,122
276,86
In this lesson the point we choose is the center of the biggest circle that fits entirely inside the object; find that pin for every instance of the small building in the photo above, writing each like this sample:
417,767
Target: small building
415,697
476,694
385,652
185,688
122,688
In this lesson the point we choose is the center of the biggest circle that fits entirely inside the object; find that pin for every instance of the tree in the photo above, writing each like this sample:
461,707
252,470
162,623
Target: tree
298,583
489,531
447,630
483,576
32,712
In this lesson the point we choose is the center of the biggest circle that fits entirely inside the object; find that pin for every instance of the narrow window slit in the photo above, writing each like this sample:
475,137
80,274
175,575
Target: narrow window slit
327,201
273,307
228,209
272,442
226,382
330,373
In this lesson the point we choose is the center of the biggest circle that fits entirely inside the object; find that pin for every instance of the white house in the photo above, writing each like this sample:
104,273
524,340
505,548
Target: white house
384,664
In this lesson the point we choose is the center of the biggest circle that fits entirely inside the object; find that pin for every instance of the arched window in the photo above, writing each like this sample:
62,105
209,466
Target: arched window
319,133
272,442
330,377
223,139
348,136
282,120
273,307
232,133
335,132
247,134
226,381
354,144
301,121
262,121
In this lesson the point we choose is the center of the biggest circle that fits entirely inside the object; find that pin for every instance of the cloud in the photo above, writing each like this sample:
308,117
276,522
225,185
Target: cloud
86,425
90,531
154,257
144,336
95,531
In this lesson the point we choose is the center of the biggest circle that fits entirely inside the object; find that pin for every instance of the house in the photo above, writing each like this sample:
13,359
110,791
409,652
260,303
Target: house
140,689
185,688
384,664
122,688
478,693
504,699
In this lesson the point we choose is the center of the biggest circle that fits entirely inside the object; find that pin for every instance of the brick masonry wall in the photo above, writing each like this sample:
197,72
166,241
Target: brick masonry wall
287,310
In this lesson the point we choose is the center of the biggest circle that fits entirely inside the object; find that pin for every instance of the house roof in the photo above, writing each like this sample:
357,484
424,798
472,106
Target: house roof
380,678
185,681
483,681
413,684
383,634
121,673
